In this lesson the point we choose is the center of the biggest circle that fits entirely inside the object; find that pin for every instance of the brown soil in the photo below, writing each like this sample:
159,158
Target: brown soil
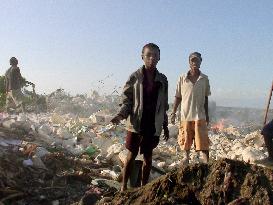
220,182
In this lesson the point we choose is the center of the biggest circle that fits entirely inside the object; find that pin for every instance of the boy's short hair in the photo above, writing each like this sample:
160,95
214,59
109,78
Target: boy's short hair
150,45
13,61
195,54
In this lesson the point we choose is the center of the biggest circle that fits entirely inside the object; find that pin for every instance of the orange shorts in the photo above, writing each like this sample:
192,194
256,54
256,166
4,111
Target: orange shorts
196,131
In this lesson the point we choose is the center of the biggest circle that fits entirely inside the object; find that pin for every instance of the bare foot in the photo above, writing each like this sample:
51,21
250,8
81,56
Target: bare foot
205,156
123,188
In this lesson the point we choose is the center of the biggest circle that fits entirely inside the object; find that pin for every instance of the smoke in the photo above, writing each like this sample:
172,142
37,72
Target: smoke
251,118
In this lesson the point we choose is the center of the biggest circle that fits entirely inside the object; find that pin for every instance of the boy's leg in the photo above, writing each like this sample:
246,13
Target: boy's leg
186,159
205,154
18,98
9,101
202,139
132,144
127,169
185,139
22,107
149,142
146,168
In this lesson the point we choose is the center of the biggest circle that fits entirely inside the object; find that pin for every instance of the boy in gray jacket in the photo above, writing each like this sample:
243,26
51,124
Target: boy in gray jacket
144,105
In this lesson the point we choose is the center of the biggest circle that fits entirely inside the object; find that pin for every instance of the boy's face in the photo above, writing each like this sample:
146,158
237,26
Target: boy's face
150,57
195,63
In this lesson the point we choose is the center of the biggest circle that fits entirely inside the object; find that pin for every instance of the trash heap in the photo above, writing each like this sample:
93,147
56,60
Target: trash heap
72,153
53,157
81,105
223,181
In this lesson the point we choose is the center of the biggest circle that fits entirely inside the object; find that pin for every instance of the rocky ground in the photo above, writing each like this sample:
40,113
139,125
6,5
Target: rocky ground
71,154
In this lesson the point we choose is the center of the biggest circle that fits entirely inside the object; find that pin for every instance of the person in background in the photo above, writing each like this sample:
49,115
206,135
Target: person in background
13,84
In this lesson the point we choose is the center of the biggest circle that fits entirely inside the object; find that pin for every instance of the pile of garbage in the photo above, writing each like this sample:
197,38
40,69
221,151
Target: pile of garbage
220,182
72,153
33,171
54,157
81,105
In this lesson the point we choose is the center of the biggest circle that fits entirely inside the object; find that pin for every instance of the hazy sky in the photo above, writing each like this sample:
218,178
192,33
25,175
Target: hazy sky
75,44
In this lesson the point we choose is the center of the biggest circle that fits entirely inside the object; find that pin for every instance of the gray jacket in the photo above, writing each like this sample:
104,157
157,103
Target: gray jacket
132,101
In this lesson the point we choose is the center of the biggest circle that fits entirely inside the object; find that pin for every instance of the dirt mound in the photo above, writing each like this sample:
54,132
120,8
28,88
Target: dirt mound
220,182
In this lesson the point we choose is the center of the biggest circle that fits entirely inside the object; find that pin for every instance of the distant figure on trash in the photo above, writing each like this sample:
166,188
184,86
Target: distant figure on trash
144,105
192,93
13,83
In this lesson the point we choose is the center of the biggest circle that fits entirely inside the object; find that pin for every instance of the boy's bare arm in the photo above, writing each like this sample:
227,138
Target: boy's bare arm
176,103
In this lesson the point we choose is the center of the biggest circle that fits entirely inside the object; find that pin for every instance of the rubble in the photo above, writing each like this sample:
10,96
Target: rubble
173,130
76,154
9,123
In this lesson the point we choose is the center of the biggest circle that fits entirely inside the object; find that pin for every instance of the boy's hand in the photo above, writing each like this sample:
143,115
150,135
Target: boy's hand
166,133
116,120
173,116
